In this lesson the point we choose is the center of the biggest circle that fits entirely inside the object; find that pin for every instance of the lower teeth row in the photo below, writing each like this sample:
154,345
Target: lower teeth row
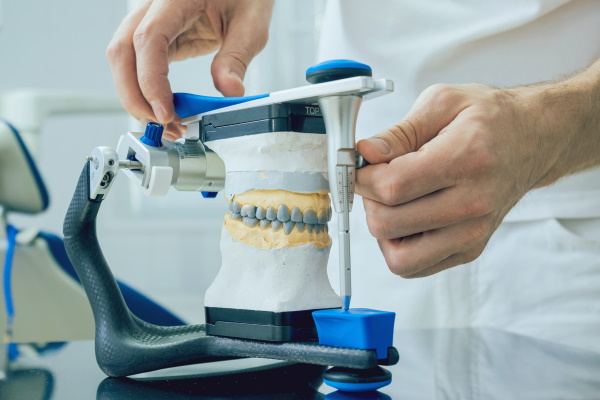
281,213
276,225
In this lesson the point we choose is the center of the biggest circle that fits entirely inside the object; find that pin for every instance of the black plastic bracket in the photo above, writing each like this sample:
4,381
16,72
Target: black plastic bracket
287,117
291,326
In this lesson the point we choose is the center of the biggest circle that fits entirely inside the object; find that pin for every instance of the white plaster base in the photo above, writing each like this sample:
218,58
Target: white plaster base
277,280
273,151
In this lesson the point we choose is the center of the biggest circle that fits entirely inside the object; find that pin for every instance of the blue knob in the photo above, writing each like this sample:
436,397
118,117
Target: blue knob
209,195
333,70
152,134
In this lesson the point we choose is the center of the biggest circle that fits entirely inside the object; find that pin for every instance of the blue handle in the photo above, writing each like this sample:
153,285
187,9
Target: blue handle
187,104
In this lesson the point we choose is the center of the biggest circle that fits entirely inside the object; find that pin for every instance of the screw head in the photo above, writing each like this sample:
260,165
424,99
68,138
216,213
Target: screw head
153,134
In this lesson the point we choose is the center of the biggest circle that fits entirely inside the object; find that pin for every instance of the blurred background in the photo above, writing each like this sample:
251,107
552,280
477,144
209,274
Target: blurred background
166,247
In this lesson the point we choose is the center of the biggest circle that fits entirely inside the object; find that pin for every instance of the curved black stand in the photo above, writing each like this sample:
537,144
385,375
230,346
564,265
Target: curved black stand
126,345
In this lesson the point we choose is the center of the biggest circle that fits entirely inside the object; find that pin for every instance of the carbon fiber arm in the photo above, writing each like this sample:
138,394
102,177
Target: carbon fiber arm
126,345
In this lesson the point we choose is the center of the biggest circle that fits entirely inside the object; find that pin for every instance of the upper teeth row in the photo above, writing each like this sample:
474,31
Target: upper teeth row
282,213
276,225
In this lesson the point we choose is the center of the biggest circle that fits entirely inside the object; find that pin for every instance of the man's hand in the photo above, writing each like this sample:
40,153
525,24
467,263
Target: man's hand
159,31
446,175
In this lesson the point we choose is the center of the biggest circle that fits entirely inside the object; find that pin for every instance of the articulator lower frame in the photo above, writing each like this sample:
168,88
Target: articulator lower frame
126,345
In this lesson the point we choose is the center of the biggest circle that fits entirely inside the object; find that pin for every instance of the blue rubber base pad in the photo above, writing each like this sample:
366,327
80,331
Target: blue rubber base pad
357,387
339,395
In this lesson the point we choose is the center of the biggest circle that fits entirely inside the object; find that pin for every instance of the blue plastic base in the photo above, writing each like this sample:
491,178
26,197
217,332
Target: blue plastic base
357,387
359,328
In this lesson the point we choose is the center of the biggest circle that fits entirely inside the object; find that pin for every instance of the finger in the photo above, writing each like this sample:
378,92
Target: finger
413,254
172,131
175,130
436,210
247,34
203,37
447,263
163,22
170,137
435,108
408,177
121,57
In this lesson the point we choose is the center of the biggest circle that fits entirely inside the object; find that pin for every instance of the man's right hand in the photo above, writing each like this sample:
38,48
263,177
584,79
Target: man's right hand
159,31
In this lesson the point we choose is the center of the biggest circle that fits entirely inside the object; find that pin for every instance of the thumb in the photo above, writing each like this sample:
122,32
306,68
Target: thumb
393,142
246,36
435,109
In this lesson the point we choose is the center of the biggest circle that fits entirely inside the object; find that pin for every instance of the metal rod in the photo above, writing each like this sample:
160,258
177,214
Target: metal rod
344,244
128,164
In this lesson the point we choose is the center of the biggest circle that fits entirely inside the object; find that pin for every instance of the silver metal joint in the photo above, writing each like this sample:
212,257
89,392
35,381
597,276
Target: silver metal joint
104,167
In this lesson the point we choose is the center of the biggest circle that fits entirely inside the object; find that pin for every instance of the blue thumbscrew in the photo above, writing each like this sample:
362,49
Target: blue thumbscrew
153,134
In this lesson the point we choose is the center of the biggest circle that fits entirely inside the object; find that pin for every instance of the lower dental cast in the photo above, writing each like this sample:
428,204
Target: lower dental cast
275,242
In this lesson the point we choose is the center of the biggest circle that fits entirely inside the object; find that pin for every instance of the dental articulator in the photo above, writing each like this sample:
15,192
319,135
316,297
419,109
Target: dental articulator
275,156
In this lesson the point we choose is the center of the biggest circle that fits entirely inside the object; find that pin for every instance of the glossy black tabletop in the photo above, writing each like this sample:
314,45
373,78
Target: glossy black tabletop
434,364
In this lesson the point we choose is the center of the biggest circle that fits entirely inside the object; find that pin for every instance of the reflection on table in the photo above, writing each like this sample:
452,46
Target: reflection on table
434,364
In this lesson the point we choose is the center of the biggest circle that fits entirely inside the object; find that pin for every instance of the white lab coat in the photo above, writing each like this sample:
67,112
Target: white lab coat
540,274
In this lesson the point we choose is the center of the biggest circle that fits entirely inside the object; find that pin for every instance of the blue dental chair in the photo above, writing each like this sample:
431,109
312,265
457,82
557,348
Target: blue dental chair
40,295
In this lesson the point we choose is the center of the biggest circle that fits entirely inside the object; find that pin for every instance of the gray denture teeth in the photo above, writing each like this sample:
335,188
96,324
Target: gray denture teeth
283,213
235,207
310,217
282,217
248,211
288,226
322,217
271,214
251,222
261,213
276,225
296,215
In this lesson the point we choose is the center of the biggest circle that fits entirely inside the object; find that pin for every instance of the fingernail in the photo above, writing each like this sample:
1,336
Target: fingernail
159,112
380,145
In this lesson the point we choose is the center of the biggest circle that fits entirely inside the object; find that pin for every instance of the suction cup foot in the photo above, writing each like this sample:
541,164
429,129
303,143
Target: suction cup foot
357,380
339,395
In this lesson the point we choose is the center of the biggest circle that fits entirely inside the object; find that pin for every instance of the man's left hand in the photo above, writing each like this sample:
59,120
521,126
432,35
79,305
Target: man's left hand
444,177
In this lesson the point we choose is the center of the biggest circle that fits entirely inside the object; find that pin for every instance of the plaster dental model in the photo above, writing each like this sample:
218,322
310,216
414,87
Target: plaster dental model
274,242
